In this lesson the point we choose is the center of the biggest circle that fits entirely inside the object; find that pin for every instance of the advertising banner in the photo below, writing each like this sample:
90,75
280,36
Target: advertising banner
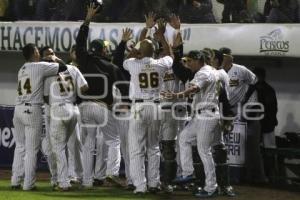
243,39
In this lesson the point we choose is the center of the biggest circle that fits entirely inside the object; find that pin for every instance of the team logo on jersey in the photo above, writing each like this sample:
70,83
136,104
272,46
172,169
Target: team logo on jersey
169,77
274,43
234,83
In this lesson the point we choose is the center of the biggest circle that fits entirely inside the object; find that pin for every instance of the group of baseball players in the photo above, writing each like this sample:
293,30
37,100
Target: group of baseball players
149,104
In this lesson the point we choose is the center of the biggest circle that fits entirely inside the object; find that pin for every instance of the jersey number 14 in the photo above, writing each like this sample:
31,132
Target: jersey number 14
26,87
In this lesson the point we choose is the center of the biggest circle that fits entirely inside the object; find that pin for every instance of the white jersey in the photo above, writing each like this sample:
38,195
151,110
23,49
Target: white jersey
147,76
31,81
239,80
64,91
207,80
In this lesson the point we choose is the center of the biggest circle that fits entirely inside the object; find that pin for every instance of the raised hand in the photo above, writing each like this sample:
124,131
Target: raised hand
174,21
91,12
150,20
177,41
161,26
127,34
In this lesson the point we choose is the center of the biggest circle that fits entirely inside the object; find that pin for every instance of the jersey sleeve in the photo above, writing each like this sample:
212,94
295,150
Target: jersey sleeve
127,63
80,80
166,62
49,69
200,80
249,77
47,84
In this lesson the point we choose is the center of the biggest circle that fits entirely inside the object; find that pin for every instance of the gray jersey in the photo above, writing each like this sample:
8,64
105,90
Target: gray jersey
64,91
31,81
147,76
239,80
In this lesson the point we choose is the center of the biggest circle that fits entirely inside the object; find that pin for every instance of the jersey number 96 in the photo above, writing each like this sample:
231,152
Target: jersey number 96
149,79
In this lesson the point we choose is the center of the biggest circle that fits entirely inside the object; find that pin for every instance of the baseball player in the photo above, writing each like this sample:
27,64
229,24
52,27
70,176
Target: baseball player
171,127
219,148
96,104
146,81
62,93
74,142
242,91
205,121
28,114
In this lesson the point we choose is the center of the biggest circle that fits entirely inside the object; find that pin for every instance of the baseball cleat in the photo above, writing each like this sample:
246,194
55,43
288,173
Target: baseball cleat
184,179
130,187
154,190
205,194
228,191
98,182
15,187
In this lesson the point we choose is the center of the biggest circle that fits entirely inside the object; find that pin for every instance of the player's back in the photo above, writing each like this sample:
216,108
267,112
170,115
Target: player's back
240,79
208,80
31,81
64,87
147,76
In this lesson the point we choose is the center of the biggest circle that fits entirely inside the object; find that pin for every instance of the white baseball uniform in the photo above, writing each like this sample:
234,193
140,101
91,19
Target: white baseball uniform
63,115
145,86
28,120
240,79
203,125
46,146
123,126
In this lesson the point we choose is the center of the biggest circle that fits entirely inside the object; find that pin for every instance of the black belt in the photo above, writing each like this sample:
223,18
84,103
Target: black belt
167,107
27,104
203,110
144,100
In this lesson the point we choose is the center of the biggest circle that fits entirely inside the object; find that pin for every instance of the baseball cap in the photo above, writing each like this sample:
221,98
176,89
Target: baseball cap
196,55
218,55
226,51
97,45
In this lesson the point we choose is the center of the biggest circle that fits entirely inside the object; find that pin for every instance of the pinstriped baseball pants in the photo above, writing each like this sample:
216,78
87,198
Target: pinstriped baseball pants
75,154
143,140
123,127
28,128
201,129
47,149
96,117
63,119
101,157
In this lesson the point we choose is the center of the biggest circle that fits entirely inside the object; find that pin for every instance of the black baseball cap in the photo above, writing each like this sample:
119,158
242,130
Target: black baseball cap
226,51
196,55
97,45
218,55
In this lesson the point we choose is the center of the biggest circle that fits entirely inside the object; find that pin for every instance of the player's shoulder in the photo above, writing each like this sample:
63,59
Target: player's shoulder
165,59
239,67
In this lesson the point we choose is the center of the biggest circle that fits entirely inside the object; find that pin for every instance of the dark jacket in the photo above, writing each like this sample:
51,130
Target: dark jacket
95,65
267,96
118,59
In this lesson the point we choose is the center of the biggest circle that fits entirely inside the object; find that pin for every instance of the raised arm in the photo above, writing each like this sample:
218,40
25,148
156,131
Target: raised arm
161,37
81,39
179,70
150,23
119,54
